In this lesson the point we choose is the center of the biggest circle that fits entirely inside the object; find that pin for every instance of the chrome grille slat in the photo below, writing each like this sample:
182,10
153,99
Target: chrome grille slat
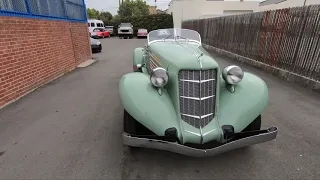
197,90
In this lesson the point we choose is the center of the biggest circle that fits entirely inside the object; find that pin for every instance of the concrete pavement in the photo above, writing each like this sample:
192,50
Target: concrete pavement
71,128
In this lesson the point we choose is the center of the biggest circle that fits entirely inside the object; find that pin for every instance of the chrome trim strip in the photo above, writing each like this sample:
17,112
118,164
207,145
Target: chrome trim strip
204,98
204,134
204,116
192,133
194,98
189,151
198,117
197,81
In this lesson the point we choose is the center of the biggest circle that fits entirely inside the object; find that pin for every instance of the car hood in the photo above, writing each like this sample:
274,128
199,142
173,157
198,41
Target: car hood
182,55
94,41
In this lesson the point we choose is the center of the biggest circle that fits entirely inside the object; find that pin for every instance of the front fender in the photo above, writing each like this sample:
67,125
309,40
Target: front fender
142,101
138,56
244,105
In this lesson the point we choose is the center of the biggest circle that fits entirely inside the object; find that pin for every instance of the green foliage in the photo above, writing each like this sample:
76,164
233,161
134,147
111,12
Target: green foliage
106,16
92,13
140,8
150,22
130,8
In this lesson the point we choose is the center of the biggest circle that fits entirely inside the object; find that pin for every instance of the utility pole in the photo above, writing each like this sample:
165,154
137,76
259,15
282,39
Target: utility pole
304,2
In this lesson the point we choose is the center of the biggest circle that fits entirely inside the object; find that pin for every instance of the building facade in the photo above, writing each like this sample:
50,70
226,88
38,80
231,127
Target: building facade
197,9
152,9
40,40
280,4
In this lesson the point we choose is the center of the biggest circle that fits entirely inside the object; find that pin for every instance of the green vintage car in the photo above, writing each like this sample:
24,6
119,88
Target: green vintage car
178,99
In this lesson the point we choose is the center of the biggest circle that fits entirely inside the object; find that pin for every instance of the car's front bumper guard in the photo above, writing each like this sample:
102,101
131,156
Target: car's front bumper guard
242,139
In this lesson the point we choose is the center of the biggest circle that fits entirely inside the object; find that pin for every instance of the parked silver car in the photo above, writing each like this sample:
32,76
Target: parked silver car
95,45
110,29
125,30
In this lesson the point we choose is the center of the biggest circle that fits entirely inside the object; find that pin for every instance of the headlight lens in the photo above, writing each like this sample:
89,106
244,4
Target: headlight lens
159,77
98,43
232,74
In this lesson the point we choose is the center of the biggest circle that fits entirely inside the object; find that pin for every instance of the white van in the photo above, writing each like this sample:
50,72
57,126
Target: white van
94,23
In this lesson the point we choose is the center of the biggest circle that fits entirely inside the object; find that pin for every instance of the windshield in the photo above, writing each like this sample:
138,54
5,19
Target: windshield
97,30
142,30
174,34
125,25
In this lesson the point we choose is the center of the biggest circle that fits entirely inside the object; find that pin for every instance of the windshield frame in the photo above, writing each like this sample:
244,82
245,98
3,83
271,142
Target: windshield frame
197,42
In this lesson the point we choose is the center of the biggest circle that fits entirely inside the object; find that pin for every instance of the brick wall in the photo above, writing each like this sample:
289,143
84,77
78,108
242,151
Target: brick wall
35,51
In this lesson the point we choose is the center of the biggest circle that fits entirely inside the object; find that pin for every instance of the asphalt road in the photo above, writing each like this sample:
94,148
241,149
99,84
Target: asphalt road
71,128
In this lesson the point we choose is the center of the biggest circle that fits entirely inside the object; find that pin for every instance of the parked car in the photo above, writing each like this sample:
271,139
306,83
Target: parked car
95,45
94,23
142,33
100,33
178,99
110,30
125,30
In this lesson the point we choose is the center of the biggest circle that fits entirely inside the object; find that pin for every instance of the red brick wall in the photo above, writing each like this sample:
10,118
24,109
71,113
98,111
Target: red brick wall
35,51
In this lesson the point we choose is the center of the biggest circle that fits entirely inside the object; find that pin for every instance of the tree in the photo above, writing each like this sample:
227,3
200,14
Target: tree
125,9
105,17
130,8
140,8
93,13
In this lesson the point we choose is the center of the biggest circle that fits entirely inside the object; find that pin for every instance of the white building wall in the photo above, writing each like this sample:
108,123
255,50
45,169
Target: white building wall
288,4
195,9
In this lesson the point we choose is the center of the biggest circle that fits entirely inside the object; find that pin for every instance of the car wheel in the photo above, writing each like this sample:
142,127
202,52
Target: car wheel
255,125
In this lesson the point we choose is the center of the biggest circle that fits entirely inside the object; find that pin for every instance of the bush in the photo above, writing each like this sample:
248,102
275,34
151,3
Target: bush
150,22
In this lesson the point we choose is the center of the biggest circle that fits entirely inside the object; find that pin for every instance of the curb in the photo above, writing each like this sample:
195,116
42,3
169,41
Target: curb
87,63
281,73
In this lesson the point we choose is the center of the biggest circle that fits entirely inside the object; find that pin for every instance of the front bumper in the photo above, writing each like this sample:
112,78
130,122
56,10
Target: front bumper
255,137
96,47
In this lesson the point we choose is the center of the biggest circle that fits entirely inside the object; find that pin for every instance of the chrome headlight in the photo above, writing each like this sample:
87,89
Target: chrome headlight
159,77
232,74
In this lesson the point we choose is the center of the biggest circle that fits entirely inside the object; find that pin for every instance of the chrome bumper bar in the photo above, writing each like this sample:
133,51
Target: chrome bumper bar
269,135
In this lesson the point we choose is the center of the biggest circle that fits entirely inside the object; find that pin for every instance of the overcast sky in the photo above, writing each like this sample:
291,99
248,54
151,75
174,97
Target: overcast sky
112,5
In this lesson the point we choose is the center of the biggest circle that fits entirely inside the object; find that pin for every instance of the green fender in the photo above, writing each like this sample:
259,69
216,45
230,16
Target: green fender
244,105
142,101
138,56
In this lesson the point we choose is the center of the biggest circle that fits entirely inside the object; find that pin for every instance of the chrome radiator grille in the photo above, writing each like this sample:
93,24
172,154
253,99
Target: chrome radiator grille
197,90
